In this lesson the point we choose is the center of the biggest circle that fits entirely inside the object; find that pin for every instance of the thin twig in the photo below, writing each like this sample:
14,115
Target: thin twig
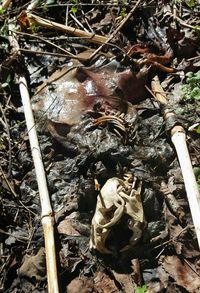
185,24
20,238
78,22
194,58
67,15
14,193
7,128
171,240
43,40
32,52
117,30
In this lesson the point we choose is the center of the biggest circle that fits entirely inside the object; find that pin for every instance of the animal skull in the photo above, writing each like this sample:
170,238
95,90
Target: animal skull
117,198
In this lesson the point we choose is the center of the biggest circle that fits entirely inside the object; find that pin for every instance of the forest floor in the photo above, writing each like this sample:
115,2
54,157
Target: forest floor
92,86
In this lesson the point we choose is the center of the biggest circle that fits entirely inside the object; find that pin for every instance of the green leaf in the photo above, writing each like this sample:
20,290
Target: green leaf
198,129
123,12
7,82
191,3
196,28
196,171
191,90
142,289
74,9
34,28
2,10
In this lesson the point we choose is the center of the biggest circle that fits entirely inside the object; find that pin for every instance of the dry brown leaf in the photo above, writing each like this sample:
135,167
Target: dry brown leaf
65,227
104,284
154,287
181,273
85,55
126,281
81,285
34,266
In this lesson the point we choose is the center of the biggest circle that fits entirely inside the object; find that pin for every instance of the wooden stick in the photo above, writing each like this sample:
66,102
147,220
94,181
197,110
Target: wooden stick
66,29
178,138
158,91
47,213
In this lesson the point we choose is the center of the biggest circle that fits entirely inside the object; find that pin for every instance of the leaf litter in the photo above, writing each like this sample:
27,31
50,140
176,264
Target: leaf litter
97,120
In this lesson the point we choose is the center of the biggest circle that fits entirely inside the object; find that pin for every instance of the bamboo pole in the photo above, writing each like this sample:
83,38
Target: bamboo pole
66,29
178,138
46,213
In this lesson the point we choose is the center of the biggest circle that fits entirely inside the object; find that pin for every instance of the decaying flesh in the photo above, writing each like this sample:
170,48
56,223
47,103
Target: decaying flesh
118,201
97,94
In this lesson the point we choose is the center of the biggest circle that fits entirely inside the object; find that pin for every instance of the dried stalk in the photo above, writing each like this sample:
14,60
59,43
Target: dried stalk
5,4
178,138
47,213
66,29
45,41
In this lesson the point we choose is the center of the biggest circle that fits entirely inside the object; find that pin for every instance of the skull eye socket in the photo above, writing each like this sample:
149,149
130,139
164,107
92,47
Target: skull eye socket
119,202
115,239
118,186
98,230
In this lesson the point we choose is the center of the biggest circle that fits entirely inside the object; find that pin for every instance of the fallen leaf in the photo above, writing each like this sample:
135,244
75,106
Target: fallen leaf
82,284
65,227
34,266
104,284
126,281
181,273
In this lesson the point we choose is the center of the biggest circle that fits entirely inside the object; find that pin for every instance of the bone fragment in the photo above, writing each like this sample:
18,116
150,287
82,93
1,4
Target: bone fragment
117,198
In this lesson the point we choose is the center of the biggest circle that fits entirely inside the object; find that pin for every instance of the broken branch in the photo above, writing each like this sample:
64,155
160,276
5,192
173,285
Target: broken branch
66,29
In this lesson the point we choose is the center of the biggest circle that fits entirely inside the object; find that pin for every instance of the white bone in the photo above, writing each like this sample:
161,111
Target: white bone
117,197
